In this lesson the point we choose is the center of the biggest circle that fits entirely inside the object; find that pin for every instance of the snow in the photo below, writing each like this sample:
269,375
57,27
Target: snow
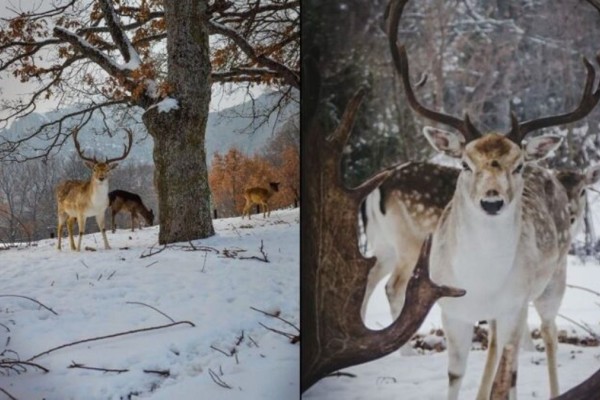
97,293
167,104
424,376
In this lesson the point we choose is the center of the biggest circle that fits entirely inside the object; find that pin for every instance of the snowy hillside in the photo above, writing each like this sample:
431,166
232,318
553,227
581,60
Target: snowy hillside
230,127
212,284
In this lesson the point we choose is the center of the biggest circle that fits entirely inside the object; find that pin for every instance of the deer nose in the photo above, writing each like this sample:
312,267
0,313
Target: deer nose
492,193
492,207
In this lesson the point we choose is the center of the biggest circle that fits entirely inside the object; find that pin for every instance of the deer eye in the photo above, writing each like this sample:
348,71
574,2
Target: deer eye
518,169
465,166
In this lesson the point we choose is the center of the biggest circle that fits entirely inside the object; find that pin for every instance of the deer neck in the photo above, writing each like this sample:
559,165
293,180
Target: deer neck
485,246
99,190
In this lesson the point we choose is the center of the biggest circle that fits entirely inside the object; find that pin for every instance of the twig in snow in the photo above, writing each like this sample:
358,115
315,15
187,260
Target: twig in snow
84,264
81,366
253,341
154,308
30,299
293,338
99,277
11,363
109,336
10,396
111,275
581,325
204,263
221,351
276,316
151,264
240,339
264,257
216,379
88,248
165,372
152,253
584,289
5,327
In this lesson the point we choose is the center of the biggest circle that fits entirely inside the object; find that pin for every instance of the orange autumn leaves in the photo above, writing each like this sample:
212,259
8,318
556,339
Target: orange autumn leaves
231,173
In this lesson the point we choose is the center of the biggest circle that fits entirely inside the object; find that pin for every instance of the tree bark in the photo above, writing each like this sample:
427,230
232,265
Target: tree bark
181,175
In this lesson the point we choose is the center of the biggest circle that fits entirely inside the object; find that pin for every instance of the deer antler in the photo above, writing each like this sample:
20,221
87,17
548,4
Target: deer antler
465,126
334,273
78,148
126,148
588,101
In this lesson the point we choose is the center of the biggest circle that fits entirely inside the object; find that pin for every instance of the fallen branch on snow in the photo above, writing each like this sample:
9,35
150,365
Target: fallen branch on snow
166,373
110,336
30,299
217,379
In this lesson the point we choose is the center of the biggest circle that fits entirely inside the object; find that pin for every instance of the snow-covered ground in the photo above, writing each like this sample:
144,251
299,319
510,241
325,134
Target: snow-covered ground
424,377
99,293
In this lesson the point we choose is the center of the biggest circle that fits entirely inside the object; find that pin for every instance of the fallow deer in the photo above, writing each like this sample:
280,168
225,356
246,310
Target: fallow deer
82,199
505,234
399,214
260,196
122,200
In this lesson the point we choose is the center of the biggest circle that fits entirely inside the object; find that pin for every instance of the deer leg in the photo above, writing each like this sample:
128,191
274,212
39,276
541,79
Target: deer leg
112,213
266,209
376,274
509,329
70,226
100,221
59,229
526,340
459,335
132,221
547,306
81,223
395,290
491,361
247,208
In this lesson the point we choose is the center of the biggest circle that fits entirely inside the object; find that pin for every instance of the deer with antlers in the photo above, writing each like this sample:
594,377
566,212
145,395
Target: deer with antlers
260,196
505,233
399,214
82,199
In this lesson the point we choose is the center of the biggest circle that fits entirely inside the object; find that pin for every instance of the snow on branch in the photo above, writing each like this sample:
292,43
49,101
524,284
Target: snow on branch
130,55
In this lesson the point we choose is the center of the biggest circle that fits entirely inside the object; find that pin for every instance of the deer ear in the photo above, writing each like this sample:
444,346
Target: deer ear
89,164
592,175
446,142
113,166
541,147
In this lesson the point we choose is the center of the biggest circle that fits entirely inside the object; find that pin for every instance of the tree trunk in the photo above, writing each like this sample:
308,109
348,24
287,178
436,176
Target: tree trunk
181,175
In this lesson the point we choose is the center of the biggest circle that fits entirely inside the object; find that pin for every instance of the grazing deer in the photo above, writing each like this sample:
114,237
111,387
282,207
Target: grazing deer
261,196
504,235
405,208
121,199
81,199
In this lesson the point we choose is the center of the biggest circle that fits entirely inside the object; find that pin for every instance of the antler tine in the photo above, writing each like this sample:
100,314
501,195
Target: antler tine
75,132
400,58
126,148
588,101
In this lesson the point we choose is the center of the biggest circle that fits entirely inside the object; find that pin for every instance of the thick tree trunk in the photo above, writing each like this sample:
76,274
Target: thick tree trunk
181,175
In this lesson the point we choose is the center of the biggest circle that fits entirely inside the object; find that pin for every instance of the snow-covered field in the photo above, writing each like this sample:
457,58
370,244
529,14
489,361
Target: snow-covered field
100,293
424,377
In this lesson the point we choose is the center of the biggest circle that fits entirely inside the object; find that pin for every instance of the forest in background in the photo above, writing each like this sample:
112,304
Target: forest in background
487,57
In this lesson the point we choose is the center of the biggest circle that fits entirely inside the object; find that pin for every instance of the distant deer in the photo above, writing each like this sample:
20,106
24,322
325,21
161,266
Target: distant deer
81,199
505,234
261,196
122,200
